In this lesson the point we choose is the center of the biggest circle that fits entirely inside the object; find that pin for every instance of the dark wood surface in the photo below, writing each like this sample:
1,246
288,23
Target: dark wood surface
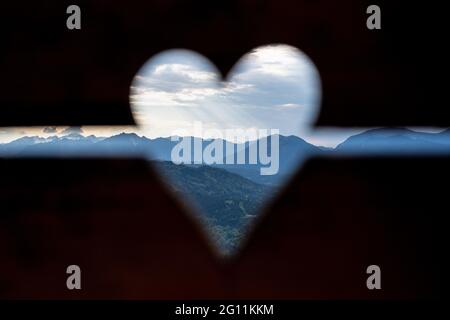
133,240
53,76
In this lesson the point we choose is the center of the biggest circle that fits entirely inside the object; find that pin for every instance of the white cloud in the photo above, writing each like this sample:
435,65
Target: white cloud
274,87
289,106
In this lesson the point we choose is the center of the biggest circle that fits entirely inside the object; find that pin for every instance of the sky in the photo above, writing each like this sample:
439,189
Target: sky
272,87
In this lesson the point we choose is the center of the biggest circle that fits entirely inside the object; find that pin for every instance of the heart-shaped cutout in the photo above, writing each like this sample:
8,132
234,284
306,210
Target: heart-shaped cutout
272,89
227,148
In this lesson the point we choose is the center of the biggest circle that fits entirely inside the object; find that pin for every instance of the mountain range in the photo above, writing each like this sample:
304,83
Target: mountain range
226,203
226,198
396,140
292,150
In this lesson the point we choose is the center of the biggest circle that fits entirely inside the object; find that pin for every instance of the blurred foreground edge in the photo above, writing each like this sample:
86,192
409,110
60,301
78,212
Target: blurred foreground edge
133,241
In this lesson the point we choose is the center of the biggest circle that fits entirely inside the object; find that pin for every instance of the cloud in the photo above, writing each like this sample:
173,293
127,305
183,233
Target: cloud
288,106
274,87
72,130
49,130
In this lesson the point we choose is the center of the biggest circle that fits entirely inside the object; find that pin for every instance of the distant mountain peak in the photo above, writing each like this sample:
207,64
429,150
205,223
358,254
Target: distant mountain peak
28,139
73,136
387,131
395,139
125,134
